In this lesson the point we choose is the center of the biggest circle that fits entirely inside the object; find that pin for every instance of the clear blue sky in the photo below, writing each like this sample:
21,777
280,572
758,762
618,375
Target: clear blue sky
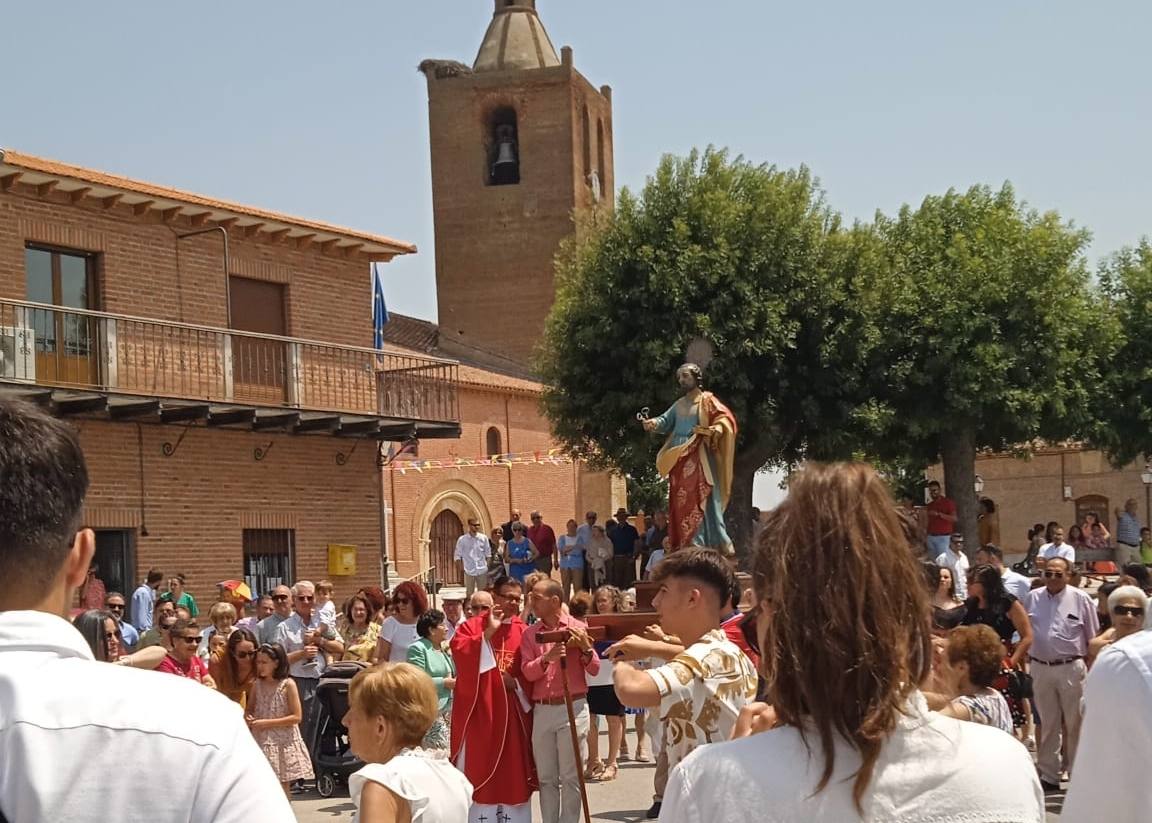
317,109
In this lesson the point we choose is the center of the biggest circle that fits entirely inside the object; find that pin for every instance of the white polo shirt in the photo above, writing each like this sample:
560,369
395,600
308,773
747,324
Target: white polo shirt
63,714
474,551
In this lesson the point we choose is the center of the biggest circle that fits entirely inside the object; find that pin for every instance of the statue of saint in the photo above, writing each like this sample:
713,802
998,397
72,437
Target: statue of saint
697,459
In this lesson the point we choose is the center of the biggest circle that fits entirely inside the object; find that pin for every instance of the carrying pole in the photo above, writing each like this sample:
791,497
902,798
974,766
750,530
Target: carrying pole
575,737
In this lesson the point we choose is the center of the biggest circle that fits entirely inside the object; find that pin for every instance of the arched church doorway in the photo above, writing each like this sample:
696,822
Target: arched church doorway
446,530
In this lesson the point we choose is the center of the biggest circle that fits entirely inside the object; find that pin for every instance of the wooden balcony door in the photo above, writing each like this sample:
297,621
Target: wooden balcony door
259,366
66,344
446,530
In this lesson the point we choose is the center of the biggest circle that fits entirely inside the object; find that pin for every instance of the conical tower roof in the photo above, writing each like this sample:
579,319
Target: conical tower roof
515,39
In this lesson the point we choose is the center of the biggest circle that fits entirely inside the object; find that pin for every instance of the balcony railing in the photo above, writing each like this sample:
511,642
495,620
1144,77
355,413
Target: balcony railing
78,349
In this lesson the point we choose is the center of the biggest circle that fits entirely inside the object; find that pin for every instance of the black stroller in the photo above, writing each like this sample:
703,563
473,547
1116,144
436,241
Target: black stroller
331,759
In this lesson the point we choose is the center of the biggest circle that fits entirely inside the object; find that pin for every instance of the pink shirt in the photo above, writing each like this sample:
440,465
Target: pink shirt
545,676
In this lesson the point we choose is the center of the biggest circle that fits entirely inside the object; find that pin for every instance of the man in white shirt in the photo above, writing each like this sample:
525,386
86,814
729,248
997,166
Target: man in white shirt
1015,583
957,561
1111,777
472,551
452,601
307,638
61,711
1057,548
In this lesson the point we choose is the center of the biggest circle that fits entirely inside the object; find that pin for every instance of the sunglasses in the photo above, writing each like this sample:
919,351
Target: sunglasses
244,655
537,518
115,607
401,601
1130,611
279,598
304,598
190,640
1056,575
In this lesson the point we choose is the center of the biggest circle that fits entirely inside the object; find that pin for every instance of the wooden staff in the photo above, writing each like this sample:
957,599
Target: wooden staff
562,636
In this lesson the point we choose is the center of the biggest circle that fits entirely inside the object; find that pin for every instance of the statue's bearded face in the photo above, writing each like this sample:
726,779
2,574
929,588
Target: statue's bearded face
686,379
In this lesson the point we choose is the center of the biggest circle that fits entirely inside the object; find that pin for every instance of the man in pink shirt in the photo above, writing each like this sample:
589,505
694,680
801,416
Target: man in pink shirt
556,763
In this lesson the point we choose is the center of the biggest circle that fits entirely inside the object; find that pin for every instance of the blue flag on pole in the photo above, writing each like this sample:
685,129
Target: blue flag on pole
379,308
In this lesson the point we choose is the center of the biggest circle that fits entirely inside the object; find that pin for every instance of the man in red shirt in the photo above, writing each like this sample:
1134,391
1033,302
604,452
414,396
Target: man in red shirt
557,765
941,520
182,660
544,539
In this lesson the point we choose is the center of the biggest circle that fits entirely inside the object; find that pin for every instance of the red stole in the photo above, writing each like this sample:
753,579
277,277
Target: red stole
489,718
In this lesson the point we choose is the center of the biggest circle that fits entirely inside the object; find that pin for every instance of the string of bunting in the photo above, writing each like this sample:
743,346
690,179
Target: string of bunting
552,457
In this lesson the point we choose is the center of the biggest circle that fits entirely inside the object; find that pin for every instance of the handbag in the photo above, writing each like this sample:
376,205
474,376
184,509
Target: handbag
1019,684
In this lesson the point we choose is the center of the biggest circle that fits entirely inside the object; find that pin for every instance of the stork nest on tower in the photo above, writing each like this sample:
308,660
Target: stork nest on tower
443,68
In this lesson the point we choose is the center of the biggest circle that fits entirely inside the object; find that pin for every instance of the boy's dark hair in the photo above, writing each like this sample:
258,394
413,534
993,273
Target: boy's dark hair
154,576
703,565
277,653
428,621
43,480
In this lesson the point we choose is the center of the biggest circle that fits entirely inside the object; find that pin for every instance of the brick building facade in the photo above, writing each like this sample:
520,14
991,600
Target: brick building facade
213,452
1057,484
223,440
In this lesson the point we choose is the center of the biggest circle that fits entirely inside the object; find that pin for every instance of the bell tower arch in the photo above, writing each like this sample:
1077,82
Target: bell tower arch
521,143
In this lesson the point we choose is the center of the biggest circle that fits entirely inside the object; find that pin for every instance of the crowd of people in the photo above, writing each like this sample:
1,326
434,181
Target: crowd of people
877,676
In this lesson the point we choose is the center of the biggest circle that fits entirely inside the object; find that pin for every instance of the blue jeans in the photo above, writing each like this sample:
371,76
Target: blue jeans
938,544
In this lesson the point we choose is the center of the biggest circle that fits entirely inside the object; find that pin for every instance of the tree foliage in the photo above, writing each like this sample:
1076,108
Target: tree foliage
994,334
746,257
1125,430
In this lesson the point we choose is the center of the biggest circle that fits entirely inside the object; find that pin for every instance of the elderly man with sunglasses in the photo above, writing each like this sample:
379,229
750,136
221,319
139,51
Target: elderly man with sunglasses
1064,621
268,627
308,639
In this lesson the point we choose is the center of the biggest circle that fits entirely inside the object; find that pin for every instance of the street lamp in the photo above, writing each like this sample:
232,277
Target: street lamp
979,484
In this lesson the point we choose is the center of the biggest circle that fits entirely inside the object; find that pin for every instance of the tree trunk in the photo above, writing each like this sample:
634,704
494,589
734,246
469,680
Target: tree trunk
738,516
958,449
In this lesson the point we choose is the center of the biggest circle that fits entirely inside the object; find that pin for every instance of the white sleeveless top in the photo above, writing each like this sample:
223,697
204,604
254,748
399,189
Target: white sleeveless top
436,790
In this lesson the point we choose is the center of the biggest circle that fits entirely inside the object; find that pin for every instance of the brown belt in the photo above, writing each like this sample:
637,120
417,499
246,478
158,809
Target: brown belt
557,701
1055,662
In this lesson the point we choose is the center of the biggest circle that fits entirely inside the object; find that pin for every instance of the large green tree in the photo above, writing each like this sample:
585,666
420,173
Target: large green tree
994,334
1125,432
744,259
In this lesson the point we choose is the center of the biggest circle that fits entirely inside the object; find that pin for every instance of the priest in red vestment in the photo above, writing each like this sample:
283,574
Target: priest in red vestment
491,713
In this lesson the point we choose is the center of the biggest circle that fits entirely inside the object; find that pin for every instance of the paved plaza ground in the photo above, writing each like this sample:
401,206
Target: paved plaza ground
624,800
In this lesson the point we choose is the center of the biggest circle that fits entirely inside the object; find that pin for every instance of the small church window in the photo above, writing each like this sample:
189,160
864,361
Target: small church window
586,131
504,148
600,160
493,443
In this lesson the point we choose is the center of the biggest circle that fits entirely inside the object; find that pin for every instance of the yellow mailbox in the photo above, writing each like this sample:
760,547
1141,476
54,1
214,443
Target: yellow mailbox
341,559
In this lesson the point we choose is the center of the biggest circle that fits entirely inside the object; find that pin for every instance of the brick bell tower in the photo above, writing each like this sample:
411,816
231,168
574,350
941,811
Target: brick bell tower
521,143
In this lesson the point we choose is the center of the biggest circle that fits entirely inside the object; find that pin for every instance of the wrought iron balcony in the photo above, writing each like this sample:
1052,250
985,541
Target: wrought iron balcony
110,354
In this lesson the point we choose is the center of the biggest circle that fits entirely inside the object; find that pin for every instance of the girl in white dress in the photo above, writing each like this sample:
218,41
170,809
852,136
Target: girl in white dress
390,709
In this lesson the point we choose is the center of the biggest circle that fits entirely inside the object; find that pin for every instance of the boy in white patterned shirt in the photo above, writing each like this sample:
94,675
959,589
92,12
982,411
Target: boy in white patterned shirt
699,693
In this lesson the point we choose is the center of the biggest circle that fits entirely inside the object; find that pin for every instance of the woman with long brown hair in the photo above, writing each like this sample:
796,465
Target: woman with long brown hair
845,643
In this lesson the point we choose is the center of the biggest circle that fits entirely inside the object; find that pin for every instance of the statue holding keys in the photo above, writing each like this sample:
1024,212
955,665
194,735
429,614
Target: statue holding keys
697,459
